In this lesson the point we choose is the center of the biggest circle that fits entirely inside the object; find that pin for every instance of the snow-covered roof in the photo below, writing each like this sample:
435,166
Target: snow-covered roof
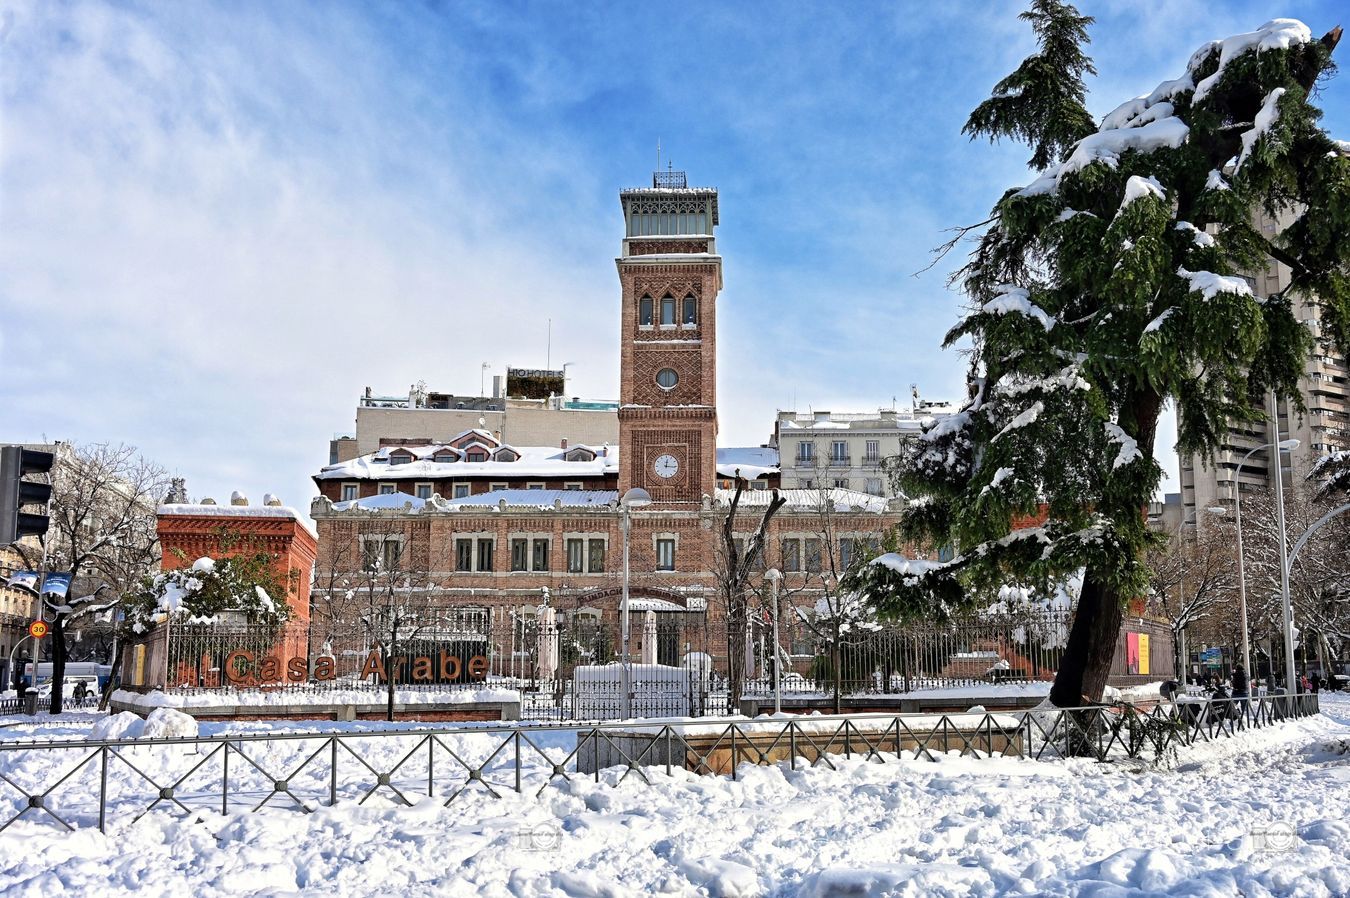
843,500
534,461
235,511
753,462
534,499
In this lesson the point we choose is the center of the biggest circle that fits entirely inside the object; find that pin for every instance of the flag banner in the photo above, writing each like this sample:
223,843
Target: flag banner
24,580
56,585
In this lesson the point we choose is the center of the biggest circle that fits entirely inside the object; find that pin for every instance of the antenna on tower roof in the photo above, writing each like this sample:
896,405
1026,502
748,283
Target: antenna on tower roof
658,154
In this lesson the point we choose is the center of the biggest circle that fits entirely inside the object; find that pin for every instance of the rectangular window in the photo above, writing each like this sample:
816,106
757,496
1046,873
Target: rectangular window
349,492
534,486
759,484
645,311
806,452
424,491
494,487
839,452
540,555
485,554
520,554
596,562
873,450
846,552
461,490
392,553
668,310
874,485
576,556
387,489
792,555
463,554
807,484
370,553
841,483
813,556
572,486
690,315
665,554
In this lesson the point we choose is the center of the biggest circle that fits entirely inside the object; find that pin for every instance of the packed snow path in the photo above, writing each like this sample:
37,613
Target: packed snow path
1262,814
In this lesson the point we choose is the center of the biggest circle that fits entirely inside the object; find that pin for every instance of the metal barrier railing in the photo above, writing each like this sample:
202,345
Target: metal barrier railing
84,783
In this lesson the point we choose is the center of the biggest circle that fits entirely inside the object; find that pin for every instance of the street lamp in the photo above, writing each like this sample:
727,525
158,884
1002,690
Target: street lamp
1192,517
773,575
1284,446
636,497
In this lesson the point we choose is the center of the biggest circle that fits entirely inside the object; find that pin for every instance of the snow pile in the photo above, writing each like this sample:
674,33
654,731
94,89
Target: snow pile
1198,237
1158,322
1025,419
1106,147
1209,284
1266,117
162,723
1149,123
1277,34
1129,447
1017,301
1216,181
1137,187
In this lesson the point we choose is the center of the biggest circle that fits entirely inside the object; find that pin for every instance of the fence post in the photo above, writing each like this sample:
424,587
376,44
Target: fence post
103,791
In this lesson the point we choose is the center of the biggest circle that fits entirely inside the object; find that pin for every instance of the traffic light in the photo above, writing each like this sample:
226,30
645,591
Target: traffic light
16,493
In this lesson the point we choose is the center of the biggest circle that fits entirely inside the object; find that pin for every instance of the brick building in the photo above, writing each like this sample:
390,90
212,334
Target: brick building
482,523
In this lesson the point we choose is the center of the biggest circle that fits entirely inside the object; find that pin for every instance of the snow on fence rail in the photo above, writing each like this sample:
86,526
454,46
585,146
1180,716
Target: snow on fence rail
84,783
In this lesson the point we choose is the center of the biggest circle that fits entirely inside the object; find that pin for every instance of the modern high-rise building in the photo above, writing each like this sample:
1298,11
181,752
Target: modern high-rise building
1325,387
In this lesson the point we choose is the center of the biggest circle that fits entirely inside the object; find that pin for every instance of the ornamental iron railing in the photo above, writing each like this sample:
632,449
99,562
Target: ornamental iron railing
80,784
563,665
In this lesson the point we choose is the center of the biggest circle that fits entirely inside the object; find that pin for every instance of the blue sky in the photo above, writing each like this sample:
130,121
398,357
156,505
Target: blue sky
220,222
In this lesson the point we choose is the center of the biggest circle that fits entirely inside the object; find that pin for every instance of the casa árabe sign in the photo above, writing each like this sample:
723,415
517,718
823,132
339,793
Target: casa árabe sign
242,667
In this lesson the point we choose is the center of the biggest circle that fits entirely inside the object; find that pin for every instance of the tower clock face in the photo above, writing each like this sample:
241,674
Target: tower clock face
666,466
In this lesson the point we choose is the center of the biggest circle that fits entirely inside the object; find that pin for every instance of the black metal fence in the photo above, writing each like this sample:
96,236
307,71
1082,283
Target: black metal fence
105,784
563,664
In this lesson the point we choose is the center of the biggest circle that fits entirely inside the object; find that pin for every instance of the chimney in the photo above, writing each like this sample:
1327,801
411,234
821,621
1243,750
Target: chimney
564,442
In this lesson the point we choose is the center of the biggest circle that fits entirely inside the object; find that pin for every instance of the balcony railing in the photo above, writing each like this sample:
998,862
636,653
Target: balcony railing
806,462
839,461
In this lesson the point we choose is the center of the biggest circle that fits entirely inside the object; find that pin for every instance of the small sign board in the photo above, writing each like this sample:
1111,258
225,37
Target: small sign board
37,629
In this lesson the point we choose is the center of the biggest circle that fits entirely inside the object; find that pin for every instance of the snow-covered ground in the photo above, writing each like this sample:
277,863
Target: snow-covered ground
1262,814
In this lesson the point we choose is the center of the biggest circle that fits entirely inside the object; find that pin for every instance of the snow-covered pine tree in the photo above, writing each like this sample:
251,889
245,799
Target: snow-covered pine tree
1107,287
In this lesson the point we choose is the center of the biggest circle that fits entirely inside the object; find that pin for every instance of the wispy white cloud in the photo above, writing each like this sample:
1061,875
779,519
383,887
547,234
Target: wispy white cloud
227,219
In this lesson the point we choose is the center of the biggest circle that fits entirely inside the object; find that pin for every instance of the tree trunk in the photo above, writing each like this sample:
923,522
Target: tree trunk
114,673
737,619
58,661
1091,649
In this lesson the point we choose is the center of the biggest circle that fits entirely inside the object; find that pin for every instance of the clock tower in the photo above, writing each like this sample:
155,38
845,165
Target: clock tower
670,275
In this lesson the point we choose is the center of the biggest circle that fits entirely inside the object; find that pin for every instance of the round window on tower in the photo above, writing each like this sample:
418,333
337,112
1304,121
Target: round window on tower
666,378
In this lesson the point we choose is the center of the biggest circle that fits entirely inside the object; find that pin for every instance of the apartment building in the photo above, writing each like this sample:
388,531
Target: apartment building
1325,388
847,450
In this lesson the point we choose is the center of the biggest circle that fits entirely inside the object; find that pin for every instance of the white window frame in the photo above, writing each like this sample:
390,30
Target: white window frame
573,485
428,487
462,490
493,487
354,489
534,485
674,540
382,539
388,489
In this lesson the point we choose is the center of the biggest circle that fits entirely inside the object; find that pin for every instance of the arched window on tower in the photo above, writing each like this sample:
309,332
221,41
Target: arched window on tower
668,311
645,311
690,315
